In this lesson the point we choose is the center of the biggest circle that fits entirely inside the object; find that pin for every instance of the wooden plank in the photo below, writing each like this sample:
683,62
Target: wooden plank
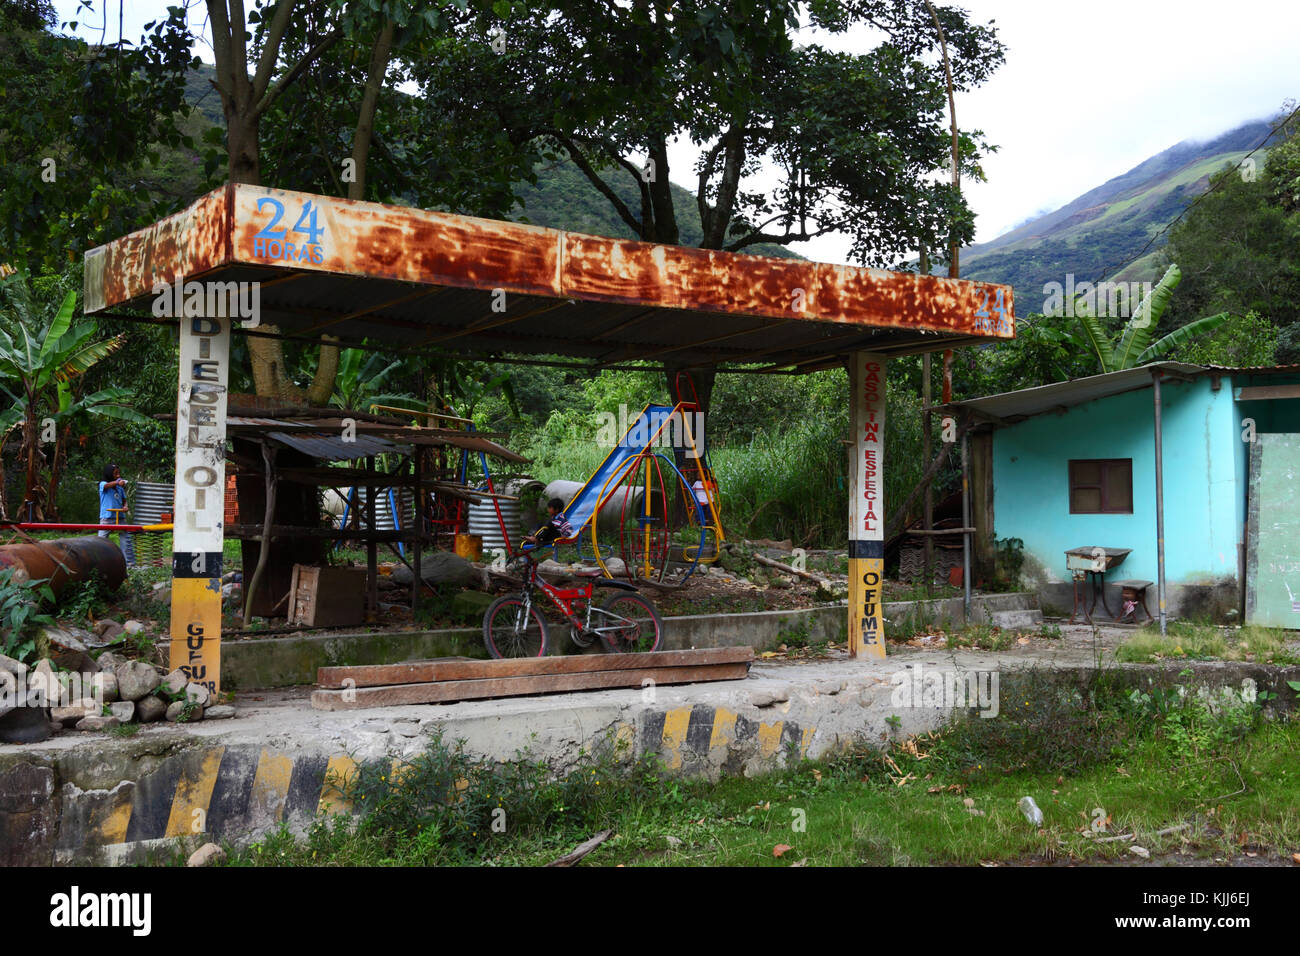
1254,393
455,669
443,691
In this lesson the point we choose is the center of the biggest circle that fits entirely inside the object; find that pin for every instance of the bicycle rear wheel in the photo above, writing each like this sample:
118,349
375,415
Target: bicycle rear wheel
513,629
637,627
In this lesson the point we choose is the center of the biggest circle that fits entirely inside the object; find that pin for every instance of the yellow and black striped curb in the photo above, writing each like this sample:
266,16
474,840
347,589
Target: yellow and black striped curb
243,791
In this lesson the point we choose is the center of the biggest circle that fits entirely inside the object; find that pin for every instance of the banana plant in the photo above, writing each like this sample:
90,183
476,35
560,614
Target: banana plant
38,373
1135,347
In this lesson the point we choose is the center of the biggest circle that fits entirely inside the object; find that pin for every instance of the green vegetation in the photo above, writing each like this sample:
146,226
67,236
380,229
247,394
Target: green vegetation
1195,641
1111,765
1135,346
20,615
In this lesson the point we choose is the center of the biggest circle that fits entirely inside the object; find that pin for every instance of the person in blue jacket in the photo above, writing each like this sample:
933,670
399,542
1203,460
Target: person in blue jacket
112,509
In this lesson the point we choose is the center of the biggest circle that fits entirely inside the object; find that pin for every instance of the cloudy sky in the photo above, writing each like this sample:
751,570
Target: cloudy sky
1088,91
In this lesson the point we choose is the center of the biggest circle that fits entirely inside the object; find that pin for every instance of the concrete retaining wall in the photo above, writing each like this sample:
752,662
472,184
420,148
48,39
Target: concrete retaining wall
107,800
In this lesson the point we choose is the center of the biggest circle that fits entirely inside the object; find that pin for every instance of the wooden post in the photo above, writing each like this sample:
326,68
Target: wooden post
927,513
867,505
372,556
417,546
250,587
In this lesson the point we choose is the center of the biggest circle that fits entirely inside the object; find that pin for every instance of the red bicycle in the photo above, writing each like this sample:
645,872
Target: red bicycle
626,622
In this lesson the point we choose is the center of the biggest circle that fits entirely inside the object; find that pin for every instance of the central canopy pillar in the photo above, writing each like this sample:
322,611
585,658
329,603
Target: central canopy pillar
867,505
199,506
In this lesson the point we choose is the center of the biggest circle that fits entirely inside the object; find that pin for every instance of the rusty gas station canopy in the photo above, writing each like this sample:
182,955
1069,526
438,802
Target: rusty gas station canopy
415,279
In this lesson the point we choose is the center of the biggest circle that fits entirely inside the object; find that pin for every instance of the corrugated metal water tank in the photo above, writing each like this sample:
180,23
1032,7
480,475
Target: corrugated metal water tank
151,501
483,517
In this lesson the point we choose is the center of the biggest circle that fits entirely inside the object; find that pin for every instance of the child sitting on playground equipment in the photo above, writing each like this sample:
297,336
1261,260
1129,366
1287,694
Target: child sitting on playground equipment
556,528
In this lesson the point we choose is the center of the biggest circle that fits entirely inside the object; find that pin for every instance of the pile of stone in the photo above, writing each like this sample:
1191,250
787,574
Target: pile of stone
42,700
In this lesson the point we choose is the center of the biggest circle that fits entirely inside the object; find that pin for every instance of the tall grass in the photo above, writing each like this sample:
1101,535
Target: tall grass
793,483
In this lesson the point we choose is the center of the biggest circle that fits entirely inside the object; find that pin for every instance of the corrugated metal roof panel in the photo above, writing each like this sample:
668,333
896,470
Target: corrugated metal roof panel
1045,398
334,448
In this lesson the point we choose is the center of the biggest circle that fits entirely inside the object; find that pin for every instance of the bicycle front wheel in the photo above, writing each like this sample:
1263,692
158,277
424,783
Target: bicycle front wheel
631,626
513,629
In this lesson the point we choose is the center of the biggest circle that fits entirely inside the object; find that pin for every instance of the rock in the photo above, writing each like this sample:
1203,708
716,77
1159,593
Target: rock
219,712
133,626
56,727
177,707
164,596
552,569
1140,851
198,693
672,840
206,855
616,567
108,660
25,725
41,681
135,679
123,710
438,568
105,685
98,723
150,708
108,632
72,714
68,648
14,667
174,683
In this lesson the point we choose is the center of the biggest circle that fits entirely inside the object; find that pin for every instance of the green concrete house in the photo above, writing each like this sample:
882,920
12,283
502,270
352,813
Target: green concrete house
1073,465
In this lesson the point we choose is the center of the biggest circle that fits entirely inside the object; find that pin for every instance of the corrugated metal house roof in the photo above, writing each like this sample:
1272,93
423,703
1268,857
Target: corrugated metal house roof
1008,407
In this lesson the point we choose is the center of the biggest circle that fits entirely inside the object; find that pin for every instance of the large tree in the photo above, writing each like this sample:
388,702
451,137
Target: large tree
83,126
1237,246
796,141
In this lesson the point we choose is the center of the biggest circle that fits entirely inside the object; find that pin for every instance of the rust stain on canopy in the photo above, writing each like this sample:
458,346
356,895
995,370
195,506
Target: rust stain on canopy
417,278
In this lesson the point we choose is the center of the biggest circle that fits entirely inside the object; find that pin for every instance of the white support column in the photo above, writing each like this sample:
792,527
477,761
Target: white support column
199,512
867,505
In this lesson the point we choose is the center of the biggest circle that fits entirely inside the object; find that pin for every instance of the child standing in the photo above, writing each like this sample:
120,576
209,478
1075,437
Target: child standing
113,510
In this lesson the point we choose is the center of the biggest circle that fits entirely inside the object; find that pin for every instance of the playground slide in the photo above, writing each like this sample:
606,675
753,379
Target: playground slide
640,434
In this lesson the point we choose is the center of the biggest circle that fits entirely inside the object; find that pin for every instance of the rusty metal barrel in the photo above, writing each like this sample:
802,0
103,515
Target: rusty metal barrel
65,560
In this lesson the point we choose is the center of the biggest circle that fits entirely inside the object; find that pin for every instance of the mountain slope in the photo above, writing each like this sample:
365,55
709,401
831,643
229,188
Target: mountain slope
1094,236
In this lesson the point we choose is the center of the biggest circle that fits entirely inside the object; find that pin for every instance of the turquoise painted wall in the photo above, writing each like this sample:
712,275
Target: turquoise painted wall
1204,477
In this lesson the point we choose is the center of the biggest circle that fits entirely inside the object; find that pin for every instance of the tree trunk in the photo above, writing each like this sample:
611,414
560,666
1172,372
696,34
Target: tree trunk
31,452
379,57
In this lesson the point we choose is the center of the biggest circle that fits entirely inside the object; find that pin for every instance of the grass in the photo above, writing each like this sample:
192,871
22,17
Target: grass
1100,760
1204,642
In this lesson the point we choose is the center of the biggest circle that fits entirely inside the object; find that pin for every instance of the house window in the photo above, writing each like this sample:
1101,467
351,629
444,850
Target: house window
1101,486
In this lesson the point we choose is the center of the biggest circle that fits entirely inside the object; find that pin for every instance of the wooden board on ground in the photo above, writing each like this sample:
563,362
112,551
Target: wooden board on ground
462,669
442,691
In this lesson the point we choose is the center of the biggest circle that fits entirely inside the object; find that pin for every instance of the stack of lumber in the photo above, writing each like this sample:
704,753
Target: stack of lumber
451,679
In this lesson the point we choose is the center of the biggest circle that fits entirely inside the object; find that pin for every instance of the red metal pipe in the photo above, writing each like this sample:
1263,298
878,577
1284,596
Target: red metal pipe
54,526
64,560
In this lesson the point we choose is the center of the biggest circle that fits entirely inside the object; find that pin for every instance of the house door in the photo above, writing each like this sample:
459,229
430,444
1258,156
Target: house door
1273,532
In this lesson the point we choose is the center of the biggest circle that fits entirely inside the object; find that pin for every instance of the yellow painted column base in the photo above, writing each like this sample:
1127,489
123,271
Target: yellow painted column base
196,630
866,607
